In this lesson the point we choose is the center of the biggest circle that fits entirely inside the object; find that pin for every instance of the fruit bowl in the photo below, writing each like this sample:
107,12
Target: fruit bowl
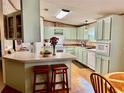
45,53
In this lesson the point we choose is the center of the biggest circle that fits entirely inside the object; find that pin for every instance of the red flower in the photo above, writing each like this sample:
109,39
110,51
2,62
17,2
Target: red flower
54,40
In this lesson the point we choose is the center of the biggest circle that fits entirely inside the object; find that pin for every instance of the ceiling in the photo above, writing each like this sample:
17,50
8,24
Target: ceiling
11,6
81,10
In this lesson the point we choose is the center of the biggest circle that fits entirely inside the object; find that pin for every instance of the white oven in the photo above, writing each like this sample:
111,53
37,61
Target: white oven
103,48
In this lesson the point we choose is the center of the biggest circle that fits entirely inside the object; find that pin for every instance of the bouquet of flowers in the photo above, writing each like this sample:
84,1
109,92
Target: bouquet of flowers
54,41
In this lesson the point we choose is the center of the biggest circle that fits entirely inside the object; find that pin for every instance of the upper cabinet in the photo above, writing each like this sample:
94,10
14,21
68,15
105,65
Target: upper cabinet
69,33
87,32
107,28
48,32
91,32
80,33
14,26
103,29
99,30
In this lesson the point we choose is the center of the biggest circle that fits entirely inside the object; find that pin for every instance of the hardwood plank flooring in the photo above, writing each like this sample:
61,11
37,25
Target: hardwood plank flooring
80,80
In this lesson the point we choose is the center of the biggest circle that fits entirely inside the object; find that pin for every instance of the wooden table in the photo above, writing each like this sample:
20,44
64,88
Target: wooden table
117,80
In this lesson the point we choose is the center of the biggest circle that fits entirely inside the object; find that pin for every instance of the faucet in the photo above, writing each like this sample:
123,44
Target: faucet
84,43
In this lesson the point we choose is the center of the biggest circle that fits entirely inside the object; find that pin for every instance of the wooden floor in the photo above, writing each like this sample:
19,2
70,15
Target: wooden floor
80,81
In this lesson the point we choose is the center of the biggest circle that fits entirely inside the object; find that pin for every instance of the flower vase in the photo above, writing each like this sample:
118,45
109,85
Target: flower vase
54,50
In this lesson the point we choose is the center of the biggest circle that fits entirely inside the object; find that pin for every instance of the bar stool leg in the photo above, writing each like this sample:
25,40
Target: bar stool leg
34,82
63,85
52,82
54,79
67,81
48,82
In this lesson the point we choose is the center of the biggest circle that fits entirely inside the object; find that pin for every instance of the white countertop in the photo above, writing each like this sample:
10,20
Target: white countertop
94,50
27,57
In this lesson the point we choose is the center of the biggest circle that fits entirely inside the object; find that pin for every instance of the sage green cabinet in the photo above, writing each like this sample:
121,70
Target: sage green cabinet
77,53
91,32
70,50
86,34
99,30
102,64
81,55
73,33
104,29
107,28
80,33
84,56
69,33
48,32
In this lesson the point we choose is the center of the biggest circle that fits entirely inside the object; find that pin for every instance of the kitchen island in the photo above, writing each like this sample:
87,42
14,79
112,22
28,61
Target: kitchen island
17,68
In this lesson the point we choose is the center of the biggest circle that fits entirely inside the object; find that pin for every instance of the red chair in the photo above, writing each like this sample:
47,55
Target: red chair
59,69
43,70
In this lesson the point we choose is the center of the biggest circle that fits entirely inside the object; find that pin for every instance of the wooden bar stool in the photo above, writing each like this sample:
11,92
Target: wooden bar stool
43,69
59,69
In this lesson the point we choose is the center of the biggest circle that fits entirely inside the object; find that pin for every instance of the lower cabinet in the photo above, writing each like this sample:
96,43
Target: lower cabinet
70,50
91,59
81,55
84,56
102,64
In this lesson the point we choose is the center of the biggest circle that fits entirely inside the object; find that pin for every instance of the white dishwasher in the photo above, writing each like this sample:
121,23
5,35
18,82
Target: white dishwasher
91,59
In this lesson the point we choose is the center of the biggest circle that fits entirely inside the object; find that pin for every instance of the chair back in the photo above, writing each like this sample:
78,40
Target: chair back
100,84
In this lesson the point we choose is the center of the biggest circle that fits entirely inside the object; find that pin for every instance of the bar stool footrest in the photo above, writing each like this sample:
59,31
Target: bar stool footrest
40,83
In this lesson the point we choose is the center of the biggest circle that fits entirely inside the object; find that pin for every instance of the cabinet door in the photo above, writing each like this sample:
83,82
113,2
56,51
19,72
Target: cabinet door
70,50
48,32
91,60
84,57
18,25
98,64
73,33
80,55
99,30
105,65
91,33
11,26
86,35
107,28
66,32
80,33
77,53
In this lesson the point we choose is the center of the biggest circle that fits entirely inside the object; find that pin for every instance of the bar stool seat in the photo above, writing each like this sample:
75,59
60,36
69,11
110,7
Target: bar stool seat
42,69
59,69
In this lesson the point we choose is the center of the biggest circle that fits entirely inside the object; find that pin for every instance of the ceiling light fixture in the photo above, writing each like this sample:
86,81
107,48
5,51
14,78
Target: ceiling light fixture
85,24
62,13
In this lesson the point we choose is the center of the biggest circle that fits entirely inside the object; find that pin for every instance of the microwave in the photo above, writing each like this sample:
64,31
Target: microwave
103,48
